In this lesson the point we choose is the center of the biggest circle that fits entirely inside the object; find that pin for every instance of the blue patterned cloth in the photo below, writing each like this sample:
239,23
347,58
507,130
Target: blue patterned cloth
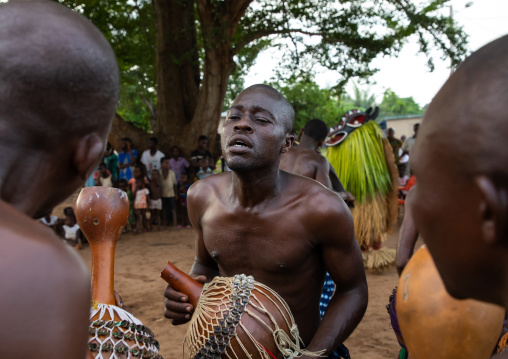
326,296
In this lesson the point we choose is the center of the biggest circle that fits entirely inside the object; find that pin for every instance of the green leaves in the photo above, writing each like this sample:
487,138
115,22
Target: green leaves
394,105
309,101
341,35
129,26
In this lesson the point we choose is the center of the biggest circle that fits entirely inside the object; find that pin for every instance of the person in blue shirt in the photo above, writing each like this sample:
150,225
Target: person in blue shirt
127,159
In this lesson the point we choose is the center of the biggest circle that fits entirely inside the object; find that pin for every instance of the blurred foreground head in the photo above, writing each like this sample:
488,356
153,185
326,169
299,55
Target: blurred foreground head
59,86
461,161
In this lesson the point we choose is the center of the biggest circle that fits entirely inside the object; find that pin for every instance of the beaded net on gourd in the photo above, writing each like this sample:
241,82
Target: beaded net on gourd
117,334
223,302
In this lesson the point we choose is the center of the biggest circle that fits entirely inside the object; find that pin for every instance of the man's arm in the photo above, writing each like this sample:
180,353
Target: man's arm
204,269
197,198
339,188
343,260
322,172
408,236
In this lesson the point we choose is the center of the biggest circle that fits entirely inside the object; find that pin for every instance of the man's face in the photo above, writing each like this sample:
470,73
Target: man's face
151,145
175,152
446,210
253,134
203,144
165,164
391,132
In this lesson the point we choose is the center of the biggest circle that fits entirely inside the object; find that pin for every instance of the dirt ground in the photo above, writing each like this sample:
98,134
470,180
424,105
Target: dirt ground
140,258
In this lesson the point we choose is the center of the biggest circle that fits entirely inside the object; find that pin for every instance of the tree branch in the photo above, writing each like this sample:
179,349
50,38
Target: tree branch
260,34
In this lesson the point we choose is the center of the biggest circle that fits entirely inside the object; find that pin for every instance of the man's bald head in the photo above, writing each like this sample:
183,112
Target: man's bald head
285,112
469,116
460,159
58,74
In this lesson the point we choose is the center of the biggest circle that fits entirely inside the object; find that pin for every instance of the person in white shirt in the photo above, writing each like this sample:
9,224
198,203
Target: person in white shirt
151,158
72,233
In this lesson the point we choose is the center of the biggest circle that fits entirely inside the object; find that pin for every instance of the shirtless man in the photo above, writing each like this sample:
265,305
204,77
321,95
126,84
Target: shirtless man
460,158
306,160
278,227
59,86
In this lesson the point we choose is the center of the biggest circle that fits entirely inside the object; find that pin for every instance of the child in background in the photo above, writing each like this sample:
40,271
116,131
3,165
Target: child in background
403,177
155,187
124,186
104,179
182,195
204,168
169,192
137,173
141,205
72,233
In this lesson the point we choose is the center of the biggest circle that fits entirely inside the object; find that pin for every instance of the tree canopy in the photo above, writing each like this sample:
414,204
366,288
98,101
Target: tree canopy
179,58
393,105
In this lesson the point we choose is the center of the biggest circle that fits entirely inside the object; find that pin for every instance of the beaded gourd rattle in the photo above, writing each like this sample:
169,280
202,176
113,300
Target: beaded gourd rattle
102,213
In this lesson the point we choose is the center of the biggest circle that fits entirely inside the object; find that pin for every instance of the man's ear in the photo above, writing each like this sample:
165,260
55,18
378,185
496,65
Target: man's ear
87,154
288,142
493,210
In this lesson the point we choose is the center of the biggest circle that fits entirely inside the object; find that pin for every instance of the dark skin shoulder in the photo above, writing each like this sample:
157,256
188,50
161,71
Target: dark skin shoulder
306,162
286,245
38,291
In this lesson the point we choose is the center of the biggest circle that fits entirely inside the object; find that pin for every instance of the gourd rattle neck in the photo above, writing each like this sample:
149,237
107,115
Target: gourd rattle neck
183,283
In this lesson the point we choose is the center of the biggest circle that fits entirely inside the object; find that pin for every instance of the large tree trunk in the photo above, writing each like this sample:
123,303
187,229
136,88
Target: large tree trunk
178,74
187,108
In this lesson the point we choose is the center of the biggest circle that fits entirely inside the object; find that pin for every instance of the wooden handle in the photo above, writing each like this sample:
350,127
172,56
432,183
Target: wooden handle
102,213
183,283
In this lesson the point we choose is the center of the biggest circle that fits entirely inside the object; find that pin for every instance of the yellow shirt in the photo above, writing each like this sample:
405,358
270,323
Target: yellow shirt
168,189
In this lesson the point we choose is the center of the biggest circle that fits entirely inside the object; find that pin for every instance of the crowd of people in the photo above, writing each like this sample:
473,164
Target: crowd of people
401,151
156,183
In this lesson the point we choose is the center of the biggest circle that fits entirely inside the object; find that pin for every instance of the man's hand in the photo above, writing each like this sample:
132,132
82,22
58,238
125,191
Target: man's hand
177,306
119,303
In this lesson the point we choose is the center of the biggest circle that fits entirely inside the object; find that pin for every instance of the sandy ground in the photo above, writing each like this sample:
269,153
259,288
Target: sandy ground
139,260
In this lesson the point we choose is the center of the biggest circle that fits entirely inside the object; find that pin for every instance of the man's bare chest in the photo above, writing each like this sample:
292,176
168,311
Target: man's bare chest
270,242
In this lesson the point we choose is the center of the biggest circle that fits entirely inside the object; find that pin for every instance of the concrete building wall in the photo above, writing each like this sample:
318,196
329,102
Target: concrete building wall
403,126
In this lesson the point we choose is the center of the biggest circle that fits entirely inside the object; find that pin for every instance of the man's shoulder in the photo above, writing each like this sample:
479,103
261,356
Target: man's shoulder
318,198
208,185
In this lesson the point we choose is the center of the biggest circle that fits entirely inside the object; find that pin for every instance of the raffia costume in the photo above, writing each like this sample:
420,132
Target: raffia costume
364,162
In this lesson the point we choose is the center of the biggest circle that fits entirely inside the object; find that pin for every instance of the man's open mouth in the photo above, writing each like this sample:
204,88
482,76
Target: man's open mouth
240,144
